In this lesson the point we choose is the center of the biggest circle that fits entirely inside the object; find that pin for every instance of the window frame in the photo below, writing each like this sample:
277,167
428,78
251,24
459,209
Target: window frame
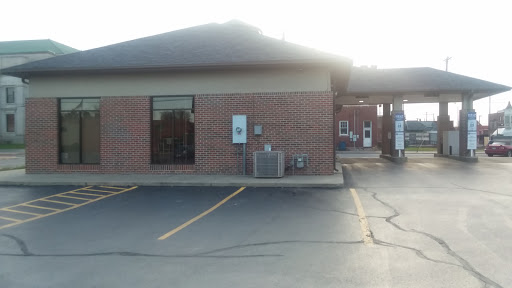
339,126
59,111
152,110
13,95
7,123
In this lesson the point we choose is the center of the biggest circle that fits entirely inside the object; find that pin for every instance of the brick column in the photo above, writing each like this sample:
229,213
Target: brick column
386,129
443,124
41,135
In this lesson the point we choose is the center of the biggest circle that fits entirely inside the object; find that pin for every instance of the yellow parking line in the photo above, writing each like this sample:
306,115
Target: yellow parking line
73,197
60,211
89,194
54,201
168,234
120,188
22,212
10,219
365,227
39,207
99,191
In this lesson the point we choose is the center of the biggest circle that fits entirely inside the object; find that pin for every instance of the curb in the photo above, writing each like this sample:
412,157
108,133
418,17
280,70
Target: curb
166,184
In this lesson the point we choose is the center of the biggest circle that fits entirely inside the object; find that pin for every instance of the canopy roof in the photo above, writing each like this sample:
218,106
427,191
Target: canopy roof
416,85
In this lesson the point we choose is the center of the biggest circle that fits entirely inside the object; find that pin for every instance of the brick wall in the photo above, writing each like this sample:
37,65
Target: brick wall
41,139
296,123
125,134
362,113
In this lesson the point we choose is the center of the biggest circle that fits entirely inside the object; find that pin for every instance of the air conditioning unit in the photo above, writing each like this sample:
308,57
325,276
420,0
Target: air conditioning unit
268,164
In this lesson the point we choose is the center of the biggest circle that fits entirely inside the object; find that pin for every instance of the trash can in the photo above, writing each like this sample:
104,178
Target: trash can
342,146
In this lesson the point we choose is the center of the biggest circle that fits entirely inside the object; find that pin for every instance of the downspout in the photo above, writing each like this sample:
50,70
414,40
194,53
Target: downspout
334,127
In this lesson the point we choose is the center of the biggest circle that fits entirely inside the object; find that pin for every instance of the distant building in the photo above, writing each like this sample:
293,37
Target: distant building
496,120
503,120
358,120
421,132
13,90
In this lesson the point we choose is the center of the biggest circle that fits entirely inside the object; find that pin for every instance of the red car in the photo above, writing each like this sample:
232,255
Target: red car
499,148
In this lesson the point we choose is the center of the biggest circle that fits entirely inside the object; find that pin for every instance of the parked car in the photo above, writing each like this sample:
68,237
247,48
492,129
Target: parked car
499,148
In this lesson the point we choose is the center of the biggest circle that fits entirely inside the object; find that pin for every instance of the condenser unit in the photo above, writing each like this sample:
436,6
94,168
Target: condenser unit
268,164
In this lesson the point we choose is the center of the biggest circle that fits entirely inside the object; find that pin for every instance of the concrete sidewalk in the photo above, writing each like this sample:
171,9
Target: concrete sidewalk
18,177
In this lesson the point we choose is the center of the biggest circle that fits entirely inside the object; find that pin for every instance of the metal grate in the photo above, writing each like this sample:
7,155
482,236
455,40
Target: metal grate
268,164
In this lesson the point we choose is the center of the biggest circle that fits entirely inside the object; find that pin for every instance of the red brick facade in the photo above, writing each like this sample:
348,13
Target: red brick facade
295,122
362,113
41,135
125,134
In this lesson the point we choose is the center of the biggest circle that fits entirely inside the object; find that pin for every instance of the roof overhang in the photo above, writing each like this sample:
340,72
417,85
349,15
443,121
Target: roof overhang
333,65
415,85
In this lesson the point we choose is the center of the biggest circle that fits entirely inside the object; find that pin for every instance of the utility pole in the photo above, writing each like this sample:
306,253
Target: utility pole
446,60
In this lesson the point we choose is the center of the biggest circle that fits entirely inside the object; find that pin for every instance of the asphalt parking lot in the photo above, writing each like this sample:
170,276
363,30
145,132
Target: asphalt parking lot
432,222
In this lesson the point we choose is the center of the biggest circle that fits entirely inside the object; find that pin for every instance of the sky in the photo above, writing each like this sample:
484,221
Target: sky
388,34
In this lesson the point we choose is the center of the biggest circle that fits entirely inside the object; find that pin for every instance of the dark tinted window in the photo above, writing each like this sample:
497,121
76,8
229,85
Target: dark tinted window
172,133
80,131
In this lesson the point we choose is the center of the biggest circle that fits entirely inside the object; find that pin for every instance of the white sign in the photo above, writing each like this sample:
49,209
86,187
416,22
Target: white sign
399,141
399,126
472,125
399,131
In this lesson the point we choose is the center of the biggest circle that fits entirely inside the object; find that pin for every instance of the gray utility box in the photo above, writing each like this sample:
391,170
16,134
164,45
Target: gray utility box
268,164
451,143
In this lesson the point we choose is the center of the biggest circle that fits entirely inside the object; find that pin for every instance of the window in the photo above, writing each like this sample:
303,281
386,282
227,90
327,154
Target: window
80,131
9,93
172,130
10,122
343,128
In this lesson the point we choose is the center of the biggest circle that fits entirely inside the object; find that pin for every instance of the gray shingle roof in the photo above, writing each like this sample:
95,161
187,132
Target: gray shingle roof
407,80
212,45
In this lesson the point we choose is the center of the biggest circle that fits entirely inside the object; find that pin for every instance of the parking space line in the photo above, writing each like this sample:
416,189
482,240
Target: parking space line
39,207
72,197
112,187
10,219
22,212
170,233
54,201
88,194
99,191
365,227
56,211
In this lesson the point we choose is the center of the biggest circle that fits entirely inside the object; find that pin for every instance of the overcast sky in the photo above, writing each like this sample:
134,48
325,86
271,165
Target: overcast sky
389,34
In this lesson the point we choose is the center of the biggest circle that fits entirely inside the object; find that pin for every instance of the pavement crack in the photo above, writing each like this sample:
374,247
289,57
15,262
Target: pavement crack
482,191
417,251
135,254
23,247
463,262
25,252
339,211
277,243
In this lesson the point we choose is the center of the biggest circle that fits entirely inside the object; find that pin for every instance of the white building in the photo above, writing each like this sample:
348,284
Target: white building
13,90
